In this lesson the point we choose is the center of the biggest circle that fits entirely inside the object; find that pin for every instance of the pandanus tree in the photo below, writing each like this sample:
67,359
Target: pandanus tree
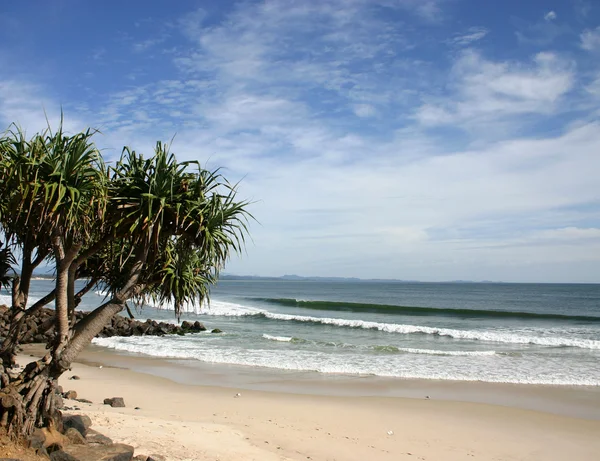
143,228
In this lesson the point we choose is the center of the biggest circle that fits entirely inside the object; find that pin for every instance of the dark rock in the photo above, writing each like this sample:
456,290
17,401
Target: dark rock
115,452
137,458
58,400
80,422
72,395
39,328
62,456
93,436
84,400
115,402
37,439
75,377
216,330
74,436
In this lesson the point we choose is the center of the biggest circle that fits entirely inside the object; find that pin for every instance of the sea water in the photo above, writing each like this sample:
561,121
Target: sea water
508,333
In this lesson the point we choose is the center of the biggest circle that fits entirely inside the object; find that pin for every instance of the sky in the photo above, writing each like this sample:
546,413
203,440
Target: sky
410,139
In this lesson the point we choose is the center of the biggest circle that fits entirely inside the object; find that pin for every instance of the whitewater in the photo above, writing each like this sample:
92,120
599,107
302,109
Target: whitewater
505,333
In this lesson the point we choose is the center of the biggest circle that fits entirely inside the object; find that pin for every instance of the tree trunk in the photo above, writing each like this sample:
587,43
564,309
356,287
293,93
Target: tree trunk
28,400
64,291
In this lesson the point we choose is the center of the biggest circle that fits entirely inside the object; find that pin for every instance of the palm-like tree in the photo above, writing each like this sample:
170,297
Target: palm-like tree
147,227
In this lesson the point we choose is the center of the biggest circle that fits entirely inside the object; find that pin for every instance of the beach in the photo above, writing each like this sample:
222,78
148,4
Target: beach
199,422
354,371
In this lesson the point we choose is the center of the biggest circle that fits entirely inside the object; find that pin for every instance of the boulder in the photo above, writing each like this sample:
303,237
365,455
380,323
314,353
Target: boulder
94,437
80,422
115,402
47,438
75,437
70,395
115,452
150,458
60,455
216,330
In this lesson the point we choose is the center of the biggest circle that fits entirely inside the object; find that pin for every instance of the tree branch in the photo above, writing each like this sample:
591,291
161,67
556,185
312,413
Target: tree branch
92,250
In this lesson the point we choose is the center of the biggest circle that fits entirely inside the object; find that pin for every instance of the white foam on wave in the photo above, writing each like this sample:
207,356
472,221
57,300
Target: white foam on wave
31,300
5,299
217,308
407,366
484,335
283,339
411,350
379,348
228,309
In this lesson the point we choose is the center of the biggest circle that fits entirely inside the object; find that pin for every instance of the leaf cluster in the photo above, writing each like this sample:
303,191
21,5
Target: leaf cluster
168,226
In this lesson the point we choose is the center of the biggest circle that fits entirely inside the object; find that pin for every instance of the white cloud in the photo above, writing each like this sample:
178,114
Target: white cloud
594,86
569,234
590,39
474,34
309,104
29,106
495,90
364,110
550,16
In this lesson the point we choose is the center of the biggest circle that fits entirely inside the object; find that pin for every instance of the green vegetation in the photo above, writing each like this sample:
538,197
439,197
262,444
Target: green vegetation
143,228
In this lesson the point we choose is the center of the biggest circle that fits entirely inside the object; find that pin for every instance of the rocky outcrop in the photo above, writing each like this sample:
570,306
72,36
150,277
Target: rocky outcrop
38,328
114,452
78,442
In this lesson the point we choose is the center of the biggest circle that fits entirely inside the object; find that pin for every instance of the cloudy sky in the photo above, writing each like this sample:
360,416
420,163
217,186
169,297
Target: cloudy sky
410,139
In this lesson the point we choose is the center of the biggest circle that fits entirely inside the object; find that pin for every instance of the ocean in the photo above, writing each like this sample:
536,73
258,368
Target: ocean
503,333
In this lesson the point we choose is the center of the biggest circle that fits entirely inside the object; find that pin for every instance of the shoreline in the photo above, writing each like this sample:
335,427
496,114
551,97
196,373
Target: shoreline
192,422
195,421
574,401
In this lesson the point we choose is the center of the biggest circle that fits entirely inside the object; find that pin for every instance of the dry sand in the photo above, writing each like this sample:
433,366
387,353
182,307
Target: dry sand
187,422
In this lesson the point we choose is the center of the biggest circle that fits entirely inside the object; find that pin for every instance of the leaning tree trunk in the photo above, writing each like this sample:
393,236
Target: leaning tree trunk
28,400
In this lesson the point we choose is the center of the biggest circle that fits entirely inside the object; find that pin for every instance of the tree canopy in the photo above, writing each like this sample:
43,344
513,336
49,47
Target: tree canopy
144,228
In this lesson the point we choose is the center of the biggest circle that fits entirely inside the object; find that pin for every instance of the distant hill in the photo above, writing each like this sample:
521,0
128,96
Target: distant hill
300,278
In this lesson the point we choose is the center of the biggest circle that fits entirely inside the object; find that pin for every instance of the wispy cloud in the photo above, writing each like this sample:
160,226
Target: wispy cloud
485,90
370,147
542,32
590,39
145,45
473,35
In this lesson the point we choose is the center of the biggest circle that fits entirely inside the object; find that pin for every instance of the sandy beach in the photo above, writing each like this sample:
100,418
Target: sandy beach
197,422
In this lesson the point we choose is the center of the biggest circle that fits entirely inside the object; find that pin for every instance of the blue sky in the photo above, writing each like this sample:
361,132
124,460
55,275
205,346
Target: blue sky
411,139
